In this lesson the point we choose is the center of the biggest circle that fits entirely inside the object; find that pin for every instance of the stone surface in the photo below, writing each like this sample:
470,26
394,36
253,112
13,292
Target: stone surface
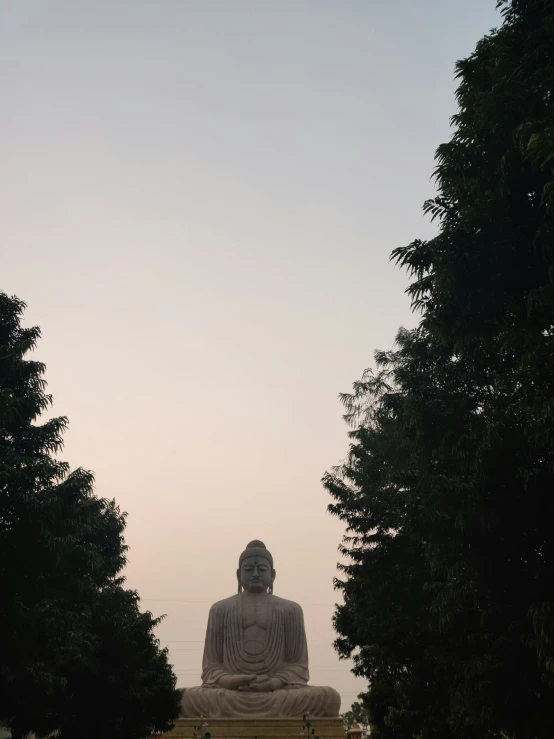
263,728
255,654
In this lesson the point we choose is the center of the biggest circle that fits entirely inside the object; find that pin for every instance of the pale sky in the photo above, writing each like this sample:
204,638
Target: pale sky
198,203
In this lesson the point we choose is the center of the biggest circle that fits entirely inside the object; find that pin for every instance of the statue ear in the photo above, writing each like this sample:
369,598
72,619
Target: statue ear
238,580
273,576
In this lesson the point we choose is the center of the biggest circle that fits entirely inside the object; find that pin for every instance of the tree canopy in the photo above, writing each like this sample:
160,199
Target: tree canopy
447,489
357,712
66,620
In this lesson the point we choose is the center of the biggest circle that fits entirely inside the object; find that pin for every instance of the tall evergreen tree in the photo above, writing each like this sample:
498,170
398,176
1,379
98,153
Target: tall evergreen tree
447,491
61,555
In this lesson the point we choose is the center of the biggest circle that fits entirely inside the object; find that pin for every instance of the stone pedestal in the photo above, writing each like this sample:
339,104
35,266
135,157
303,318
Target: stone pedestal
258,728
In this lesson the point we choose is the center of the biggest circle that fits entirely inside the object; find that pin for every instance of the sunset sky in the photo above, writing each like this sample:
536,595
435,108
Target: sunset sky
198,200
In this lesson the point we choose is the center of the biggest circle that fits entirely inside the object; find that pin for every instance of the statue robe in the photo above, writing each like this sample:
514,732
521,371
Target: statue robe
285,656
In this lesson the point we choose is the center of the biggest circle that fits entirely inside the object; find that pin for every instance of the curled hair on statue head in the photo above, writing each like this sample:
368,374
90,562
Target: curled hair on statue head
256,548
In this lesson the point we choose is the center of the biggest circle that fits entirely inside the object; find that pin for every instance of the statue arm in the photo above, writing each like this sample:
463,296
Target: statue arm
214,674
295,673
212,662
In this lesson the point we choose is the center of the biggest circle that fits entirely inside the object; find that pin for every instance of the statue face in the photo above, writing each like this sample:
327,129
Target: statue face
255,574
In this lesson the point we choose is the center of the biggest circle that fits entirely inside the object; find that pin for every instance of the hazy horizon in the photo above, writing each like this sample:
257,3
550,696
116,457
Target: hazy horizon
199,203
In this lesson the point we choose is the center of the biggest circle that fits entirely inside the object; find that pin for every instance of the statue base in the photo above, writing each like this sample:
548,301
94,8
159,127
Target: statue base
258,728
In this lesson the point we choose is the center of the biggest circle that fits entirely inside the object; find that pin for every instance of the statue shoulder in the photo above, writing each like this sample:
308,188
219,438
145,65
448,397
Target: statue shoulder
224,605
287,605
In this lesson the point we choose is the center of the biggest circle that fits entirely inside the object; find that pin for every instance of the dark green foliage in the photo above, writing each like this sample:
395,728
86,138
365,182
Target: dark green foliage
61,554
357,712
447,491
126,670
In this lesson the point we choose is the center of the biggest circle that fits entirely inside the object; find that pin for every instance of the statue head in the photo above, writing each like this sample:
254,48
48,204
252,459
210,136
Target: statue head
255,573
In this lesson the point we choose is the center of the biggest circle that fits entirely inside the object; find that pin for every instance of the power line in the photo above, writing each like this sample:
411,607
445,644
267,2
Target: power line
327,668
201,641
199,649
182,600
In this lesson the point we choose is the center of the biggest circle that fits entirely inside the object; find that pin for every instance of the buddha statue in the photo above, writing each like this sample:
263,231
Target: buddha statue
255,655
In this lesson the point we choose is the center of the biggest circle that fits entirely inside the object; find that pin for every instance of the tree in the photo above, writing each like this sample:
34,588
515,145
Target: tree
446,493
61,555
357,712
128,684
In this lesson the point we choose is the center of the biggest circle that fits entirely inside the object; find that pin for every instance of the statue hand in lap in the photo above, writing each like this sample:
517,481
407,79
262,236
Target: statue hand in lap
263,683
236,682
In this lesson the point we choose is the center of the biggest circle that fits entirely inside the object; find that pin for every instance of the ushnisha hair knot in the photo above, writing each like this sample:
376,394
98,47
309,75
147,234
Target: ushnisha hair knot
256,548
